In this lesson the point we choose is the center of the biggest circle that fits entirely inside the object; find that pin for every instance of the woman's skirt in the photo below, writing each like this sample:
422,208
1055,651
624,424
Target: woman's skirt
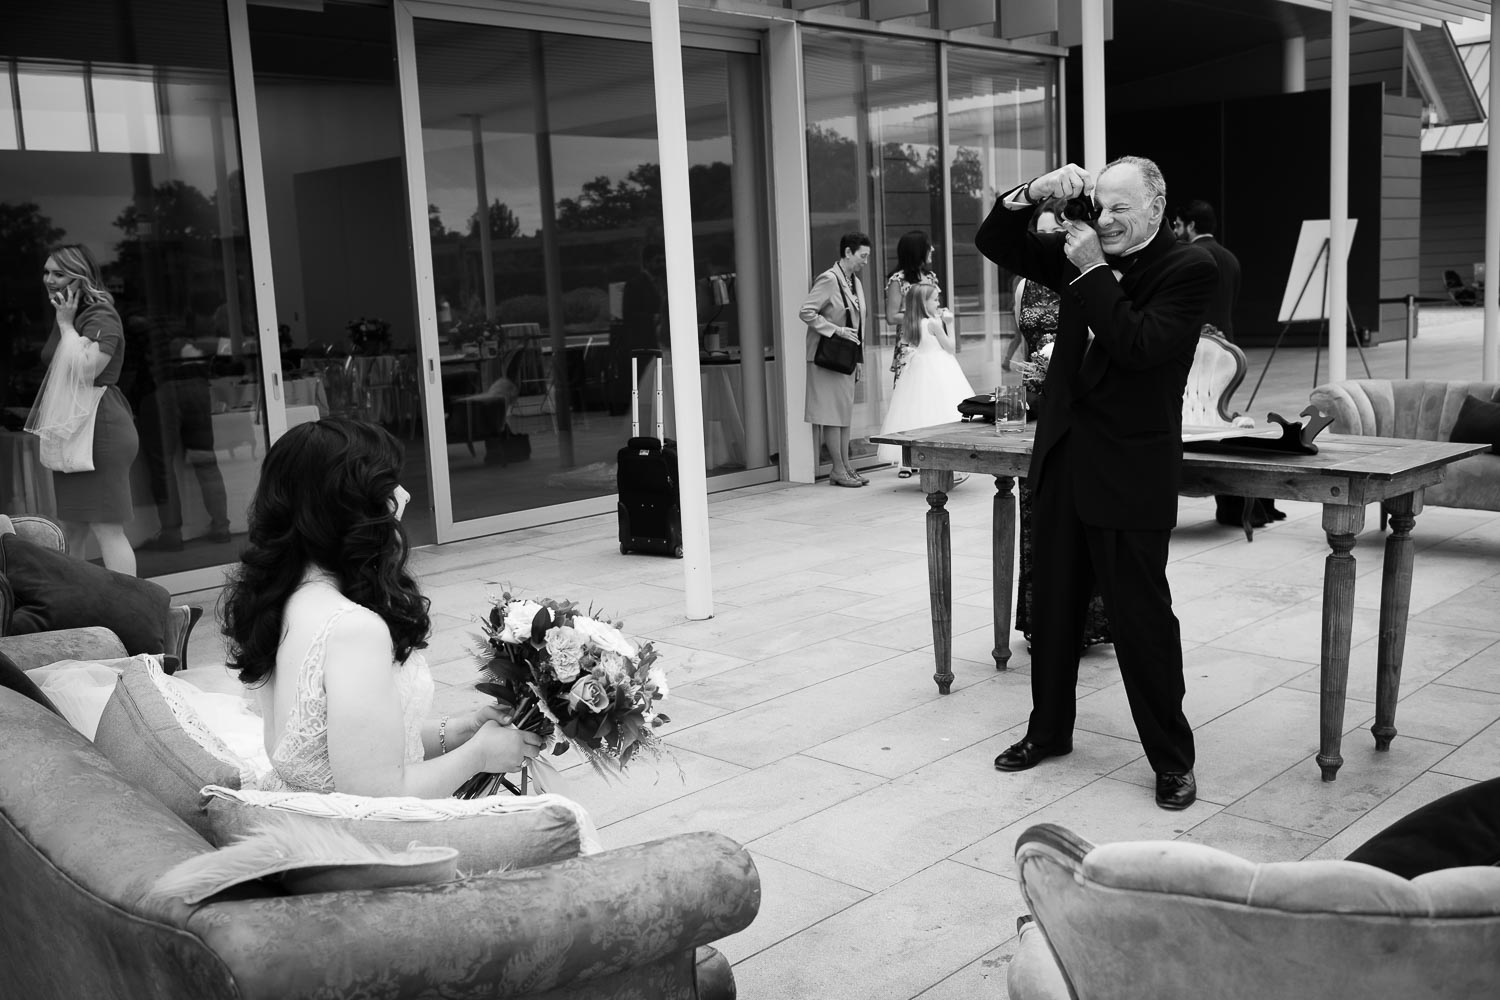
830,398
102,496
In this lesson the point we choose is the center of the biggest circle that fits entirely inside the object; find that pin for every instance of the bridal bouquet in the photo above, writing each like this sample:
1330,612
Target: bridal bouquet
1033,372
574,679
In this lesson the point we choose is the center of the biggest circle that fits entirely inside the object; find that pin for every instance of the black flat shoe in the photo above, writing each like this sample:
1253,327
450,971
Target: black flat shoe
1176,790
1025,755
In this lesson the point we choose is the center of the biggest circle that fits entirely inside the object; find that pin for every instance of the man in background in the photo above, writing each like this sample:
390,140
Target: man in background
1195,222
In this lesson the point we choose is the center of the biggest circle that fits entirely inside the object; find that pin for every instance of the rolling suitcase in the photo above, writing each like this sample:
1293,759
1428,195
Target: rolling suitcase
649,508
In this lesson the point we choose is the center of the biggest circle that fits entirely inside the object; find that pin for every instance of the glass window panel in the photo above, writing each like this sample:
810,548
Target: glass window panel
125,119
551,140
54,108
874,166
166,224
9,137
1002,129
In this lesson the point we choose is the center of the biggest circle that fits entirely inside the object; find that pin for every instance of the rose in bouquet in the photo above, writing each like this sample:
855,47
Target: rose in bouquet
1033,371
573,678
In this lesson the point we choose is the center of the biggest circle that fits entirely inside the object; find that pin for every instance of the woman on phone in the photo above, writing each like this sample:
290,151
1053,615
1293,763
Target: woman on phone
88,340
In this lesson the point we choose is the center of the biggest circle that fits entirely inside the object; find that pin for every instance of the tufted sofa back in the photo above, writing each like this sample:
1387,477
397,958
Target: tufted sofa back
1218,368
1405,408
1423,410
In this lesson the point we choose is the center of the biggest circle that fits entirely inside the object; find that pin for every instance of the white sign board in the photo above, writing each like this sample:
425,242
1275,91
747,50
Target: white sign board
1306,296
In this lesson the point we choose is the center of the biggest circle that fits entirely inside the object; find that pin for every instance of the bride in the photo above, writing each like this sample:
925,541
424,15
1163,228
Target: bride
932,384
324,625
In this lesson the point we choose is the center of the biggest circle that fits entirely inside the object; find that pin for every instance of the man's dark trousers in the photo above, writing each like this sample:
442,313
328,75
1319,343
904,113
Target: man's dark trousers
1130,568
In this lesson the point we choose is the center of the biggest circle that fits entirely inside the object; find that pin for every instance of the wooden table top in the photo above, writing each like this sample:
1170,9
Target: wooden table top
1339,455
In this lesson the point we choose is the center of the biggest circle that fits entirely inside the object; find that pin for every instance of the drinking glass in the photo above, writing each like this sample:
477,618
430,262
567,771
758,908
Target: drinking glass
1010,409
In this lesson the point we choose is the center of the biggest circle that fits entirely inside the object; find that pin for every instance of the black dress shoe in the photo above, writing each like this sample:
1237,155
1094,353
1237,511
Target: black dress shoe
1176,789
1026,754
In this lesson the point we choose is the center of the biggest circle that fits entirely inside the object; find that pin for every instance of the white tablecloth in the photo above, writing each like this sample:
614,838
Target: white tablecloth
723,410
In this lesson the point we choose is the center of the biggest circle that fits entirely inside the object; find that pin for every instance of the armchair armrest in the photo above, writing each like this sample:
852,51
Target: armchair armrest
514,933
38,649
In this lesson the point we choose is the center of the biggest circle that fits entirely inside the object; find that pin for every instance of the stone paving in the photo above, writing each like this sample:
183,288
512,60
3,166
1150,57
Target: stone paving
807,725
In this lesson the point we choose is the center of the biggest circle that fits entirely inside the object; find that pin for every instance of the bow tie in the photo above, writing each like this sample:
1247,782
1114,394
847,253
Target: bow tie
1120,262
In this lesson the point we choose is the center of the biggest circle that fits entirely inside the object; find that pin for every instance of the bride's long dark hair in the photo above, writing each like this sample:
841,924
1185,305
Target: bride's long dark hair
324,500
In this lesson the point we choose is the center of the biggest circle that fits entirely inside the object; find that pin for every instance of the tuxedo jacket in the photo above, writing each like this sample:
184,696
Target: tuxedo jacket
1221,307
1119,400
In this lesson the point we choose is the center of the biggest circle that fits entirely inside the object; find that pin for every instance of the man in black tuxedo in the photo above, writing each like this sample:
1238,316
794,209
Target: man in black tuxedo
1195,222
1107,457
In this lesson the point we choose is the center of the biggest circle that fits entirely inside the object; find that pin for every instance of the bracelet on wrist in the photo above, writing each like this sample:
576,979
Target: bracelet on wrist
1026,192
443,735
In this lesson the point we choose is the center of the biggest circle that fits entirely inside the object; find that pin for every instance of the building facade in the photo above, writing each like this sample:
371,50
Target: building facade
446,217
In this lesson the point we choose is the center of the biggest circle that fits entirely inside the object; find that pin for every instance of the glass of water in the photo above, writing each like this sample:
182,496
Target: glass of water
1010,409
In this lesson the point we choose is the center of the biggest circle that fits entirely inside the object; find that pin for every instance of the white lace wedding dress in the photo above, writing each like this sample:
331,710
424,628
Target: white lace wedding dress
931,387
299,756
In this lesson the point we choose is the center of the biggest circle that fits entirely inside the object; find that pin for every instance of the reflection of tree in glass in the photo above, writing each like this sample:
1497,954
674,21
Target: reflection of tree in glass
435,228
25,235
503,222
179,212
832,170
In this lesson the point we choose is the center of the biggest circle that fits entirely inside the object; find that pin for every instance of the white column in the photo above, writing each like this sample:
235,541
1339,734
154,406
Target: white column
1491,365
682,313
1338,194
787,135
749,283
1092,26
1294,64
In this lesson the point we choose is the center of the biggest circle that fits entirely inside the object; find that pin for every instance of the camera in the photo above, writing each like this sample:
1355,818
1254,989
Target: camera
1080,209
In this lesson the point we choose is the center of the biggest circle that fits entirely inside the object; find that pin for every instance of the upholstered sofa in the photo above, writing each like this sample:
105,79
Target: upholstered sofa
31,548
82,846
1424,410
1173,920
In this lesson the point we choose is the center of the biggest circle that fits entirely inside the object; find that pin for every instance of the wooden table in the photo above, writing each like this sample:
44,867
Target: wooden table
1344,476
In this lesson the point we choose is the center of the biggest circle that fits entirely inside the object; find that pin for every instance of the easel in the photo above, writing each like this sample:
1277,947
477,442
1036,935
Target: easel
1318,268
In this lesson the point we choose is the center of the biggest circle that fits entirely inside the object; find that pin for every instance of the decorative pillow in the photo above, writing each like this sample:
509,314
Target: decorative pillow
159,743
52,590
489,833
16,679
304,856
1478,422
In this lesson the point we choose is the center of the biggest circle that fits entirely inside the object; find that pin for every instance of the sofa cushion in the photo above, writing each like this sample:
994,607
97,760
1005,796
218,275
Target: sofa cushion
489,833
52,590
304,856
16,679
1478,423
158,742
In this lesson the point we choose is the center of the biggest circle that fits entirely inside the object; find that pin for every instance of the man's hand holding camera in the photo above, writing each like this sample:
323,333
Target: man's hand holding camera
1066,182
1075,186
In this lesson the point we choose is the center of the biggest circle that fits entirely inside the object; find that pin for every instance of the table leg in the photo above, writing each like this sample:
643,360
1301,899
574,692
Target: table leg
1395,604
936,483
1341,523
1003,563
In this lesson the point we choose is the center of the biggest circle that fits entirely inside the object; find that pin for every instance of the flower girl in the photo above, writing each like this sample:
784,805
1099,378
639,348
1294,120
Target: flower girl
933,384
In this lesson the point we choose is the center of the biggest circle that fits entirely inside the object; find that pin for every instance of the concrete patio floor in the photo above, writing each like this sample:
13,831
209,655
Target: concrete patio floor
807,725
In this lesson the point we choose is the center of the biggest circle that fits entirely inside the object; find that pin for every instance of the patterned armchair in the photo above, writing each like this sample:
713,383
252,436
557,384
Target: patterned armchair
81,847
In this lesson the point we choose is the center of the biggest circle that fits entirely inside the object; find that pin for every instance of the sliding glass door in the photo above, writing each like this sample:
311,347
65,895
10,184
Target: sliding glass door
533,167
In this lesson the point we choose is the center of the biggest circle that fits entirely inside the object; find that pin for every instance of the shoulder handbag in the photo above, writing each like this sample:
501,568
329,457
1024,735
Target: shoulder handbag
836,353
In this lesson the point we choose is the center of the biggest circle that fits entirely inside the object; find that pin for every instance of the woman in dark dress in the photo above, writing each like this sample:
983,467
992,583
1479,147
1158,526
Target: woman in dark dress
1036,318
97,501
